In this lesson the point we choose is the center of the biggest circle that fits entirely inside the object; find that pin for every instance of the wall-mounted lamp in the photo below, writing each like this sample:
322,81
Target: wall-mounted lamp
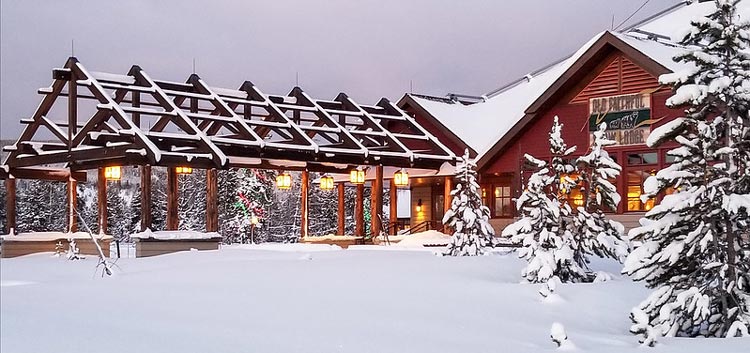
419,205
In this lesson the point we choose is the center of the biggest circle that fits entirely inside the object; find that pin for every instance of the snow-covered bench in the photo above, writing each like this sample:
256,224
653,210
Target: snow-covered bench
30,243
150,243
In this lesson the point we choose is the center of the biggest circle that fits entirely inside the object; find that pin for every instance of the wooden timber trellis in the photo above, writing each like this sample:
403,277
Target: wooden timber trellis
135,120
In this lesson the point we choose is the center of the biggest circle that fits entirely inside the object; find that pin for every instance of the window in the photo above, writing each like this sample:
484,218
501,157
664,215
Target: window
642,158
574,195
635,179
503,202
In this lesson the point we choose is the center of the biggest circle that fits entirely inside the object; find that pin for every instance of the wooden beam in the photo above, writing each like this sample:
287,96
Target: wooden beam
101,195
72,187
376,202
145,197
173,220
359,211
72,109
341,209
10,205
44,173
393,216
304,219
212,200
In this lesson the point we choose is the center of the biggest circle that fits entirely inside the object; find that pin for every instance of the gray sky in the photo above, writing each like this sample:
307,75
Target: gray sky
366,48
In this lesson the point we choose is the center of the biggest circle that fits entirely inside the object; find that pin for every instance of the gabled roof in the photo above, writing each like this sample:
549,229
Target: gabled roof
487,126
134,119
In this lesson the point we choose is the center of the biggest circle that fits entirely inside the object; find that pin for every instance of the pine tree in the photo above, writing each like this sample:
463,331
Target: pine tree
191,205
597,234
545,229
469,219
693,246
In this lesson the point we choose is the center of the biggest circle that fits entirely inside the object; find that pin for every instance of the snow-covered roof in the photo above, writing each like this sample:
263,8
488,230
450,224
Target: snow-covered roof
481,125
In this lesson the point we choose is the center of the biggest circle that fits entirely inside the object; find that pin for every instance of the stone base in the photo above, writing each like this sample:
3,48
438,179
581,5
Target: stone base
13,248
150,247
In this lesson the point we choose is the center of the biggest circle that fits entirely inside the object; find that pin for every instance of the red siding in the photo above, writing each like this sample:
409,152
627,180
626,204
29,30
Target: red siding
620,76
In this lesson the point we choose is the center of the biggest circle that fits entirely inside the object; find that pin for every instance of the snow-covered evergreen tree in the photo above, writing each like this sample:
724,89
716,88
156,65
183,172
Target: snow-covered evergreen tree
545,229
694,245
38,206
467,217
595,232
191,209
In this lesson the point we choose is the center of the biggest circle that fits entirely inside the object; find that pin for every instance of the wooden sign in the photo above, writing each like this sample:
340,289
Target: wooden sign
628,117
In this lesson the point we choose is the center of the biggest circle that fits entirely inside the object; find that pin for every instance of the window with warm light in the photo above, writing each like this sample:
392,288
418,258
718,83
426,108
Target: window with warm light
635,179
503,202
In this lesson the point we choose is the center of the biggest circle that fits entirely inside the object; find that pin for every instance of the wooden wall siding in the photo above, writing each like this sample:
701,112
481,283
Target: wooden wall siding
621,76
424,193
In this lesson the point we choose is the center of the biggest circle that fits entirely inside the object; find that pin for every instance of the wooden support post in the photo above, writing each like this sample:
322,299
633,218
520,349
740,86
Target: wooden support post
359,211
10,205
342,209
101,195
173,220
376,202
304,220
212,201
72,187
393,216
145,197
447,200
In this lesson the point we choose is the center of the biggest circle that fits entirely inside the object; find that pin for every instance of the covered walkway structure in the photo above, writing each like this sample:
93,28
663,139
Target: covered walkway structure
109,120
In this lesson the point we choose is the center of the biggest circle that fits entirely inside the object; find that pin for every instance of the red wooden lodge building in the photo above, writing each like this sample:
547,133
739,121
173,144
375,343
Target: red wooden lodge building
612,78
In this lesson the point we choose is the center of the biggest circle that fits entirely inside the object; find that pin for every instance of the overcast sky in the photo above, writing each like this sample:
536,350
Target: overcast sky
366,48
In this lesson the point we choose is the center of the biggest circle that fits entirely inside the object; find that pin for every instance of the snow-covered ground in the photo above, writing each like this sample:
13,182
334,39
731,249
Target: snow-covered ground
312,298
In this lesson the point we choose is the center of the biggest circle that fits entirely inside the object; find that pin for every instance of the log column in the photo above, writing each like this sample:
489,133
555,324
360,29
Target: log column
342,209
304,220
173,220
101,196
376,202
10,205
72,186
145,197
393,216
359,211
447,200
212,201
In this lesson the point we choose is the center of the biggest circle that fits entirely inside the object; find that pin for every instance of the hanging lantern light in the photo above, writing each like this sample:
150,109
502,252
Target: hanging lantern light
183,170
357,176
326,182
112,173
284,181
401,178
419,206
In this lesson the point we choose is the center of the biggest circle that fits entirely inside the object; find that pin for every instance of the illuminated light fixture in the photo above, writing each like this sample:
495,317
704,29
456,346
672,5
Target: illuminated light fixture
401,178
254,220
284,181
484,192
419,205
183,170
497,192
112,173
326,182
357,176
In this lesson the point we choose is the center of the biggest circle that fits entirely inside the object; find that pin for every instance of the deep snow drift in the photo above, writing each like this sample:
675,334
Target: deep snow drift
312,298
